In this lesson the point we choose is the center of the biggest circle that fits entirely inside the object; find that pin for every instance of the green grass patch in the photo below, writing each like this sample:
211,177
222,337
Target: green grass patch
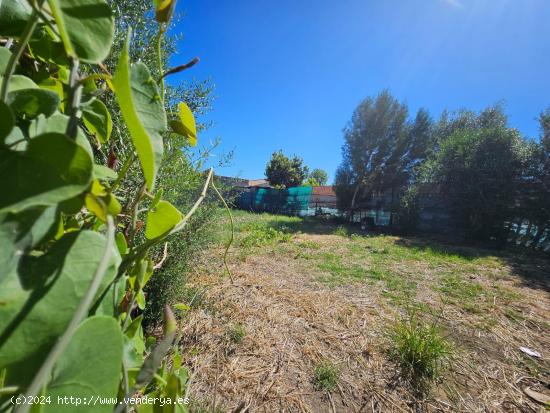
467,294
420,349
325,376
258,234
236,333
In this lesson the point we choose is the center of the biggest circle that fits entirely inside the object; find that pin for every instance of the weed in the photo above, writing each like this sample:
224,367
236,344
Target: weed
325,376
419,348
236,333
258,234
341,231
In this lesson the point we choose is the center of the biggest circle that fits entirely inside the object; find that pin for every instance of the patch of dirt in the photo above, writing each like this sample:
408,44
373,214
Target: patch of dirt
293,322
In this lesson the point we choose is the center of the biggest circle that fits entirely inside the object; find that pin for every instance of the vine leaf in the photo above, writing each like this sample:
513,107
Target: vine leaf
161,219
19,232
104,173
54,168
97,119
33,102
185,126
14,15
8,121
79,371
58,123
143,112
86,28
5,55
40,297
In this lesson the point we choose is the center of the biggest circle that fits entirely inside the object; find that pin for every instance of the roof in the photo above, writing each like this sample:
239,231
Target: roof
324,190
258,182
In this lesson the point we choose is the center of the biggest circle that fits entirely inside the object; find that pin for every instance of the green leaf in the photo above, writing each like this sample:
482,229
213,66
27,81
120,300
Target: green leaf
121,243
89,367
97,120
85,26
140,300
5,55
182,307
8,121
185,126
14,15
58,123
102,203
104,173
40,298
33,102
19,232
161,219
19,82
154,360
143,112
54,168
15,140
157,198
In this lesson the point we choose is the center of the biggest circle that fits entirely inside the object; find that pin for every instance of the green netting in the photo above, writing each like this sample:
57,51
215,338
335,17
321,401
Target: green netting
294,201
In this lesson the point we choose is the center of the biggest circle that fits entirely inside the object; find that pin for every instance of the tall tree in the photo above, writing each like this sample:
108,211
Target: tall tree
284,171
375,143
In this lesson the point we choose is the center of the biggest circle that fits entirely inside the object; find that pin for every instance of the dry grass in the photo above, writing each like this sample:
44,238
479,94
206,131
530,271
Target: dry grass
314,297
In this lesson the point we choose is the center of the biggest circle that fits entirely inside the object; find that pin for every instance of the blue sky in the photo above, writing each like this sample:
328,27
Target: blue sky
289,73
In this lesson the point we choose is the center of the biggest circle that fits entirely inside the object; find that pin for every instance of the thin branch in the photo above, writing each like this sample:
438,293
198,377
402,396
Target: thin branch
164,256
232,231
180,68
74,99
197,203
45,370
159,59
140,250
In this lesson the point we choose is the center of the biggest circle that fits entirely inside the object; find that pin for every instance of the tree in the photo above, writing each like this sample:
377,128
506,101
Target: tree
318,177
477,167
534,192
284,171
374,147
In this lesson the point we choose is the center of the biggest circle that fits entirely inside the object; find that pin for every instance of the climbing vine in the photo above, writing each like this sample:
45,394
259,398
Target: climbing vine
75,257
